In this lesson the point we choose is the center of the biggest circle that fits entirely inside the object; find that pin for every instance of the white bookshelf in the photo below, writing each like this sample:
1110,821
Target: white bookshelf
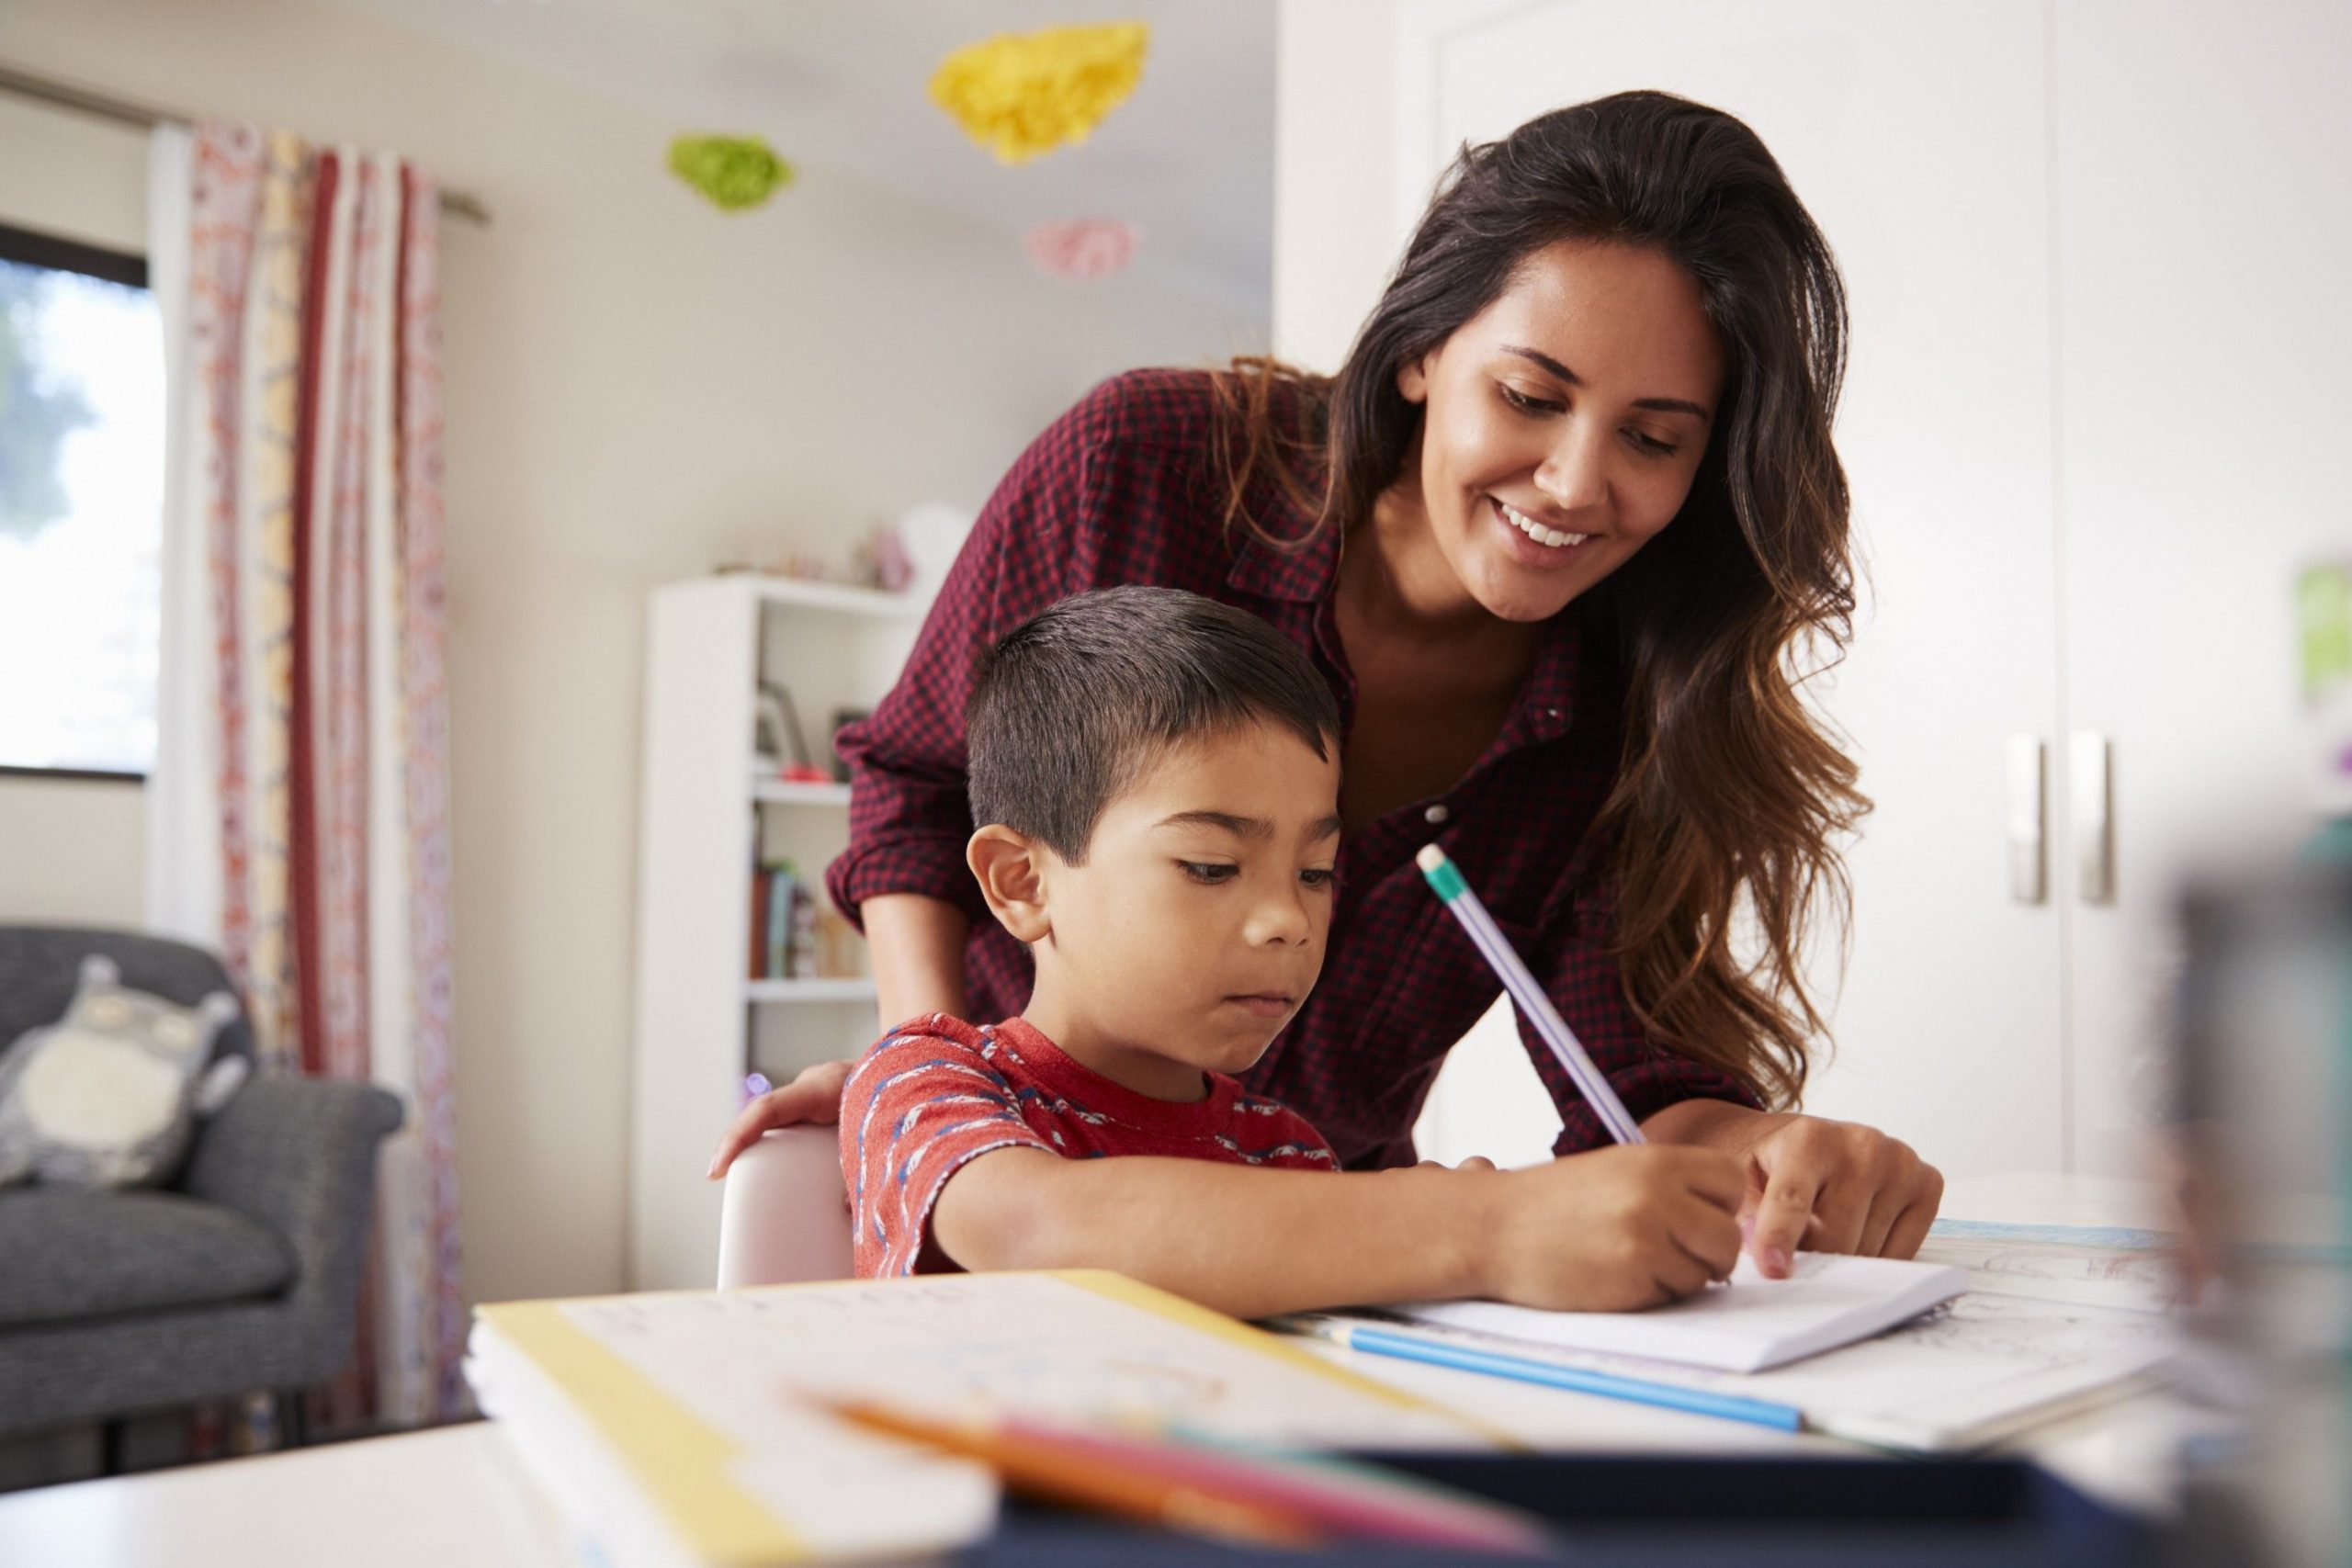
702,1023
835,988
790,791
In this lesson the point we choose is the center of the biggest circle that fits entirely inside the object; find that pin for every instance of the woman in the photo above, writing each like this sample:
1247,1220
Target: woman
1559,532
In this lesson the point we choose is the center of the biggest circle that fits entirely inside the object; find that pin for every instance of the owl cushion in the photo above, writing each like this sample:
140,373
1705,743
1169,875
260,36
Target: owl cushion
108,1095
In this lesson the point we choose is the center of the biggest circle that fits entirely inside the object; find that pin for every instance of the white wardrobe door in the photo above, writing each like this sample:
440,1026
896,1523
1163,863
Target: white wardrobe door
1915,136
2204,328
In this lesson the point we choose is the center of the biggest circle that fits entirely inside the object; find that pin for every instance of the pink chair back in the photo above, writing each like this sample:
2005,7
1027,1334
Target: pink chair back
784,1217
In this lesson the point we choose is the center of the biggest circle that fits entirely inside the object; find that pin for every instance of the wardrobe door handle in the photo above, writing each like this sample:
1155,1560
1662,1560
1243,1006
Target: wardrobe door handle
2029,810
2088,753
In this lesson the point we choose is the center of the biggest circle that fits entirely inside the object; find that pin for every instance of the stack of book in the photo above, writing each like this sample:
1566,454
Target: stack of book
784,923
795,934
866,1418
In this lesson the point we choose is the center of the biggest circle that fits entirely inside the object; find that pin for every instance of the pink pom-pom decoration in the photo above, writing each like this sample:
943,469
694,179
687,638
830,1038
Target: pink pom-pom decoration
1082,247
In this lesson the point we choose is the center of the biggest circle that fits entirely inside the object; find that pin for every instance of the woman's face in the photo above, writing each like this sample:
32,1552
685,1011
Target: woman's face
1564,422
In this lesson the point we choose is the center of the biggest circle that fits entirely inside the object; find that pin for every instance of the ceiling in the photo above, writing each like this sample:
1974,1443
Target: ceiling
838,87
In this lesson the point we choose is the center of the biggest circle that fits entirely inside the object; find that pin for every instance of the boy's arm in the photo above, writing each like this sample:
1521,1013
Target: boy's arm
1613,1230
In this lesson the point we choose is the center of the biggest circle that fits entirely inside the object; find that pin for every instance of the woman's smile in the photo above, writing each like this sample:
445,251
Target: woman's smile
1556,545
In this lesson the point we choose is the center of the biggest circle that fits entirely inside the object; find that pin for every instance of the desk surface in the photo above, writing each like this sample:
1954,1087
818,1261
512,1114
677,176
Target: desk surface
454,1497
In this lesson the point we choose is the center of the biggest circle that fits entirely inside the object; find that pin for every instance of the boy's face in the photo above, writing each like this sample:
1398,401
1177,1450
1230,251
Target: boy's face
1195,929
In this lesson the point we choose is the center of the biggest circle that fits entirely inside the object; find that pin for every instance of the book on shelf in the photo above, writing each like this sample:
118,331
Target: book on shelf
800,952
794,933
761,878
842,951
784,886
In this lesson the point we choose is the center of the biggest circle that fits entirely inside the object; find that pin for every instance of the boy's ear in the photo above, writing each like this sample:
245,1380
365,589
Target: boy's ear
1007,864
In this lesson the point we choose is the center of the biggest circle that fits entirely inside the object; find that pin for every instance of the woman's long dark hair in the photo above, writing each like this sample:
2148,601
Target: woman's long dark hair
1731,799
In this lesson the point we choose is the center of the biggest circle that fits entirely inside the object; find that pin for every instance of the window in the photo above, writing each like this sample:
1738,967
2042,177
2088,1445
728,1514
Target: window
81,508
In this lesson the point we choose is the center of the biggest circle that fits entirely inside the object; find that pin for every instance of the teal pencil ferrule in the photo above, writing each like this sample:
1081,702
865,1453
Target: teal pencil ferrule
1447,880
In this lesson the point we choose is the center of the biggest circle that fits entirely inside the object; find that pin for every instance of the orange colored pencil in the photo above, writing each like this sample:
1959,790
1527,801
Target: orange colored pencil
1036,1465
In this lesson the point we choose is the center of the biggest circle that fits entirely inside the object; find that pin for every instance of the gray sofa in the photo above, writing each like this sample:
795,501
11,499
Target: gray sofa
242,1275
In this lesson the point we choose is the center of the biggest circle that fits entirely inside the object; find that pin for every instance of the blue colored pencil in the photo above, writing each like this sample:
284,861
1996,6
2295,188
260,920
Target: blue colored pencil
1608,1385
1446,878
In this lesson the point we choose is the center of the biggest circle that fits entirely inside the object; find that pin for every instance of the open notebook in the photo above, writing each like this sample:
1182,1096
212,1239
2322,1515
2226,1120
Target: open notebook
1744,1326
688,1428
2033,1337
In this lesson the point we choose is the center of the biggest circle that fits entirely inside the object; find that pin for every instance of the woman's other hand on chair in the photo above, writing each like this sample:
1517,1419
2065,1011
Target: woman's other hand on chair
814,1096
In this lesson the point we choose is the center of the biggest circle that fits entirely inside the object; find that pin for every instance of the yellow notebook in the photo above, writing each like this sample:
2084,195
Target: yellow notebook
682,1428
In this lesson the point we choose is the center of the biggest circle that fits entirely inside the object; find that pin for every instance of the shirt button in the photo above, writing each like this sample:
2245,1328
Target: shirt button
1435,815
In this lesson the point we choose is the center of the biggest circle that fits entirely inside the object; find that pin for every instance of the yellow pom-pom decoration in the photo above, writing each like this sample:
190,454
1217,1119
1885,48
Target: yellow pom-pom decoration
1021,93
735,172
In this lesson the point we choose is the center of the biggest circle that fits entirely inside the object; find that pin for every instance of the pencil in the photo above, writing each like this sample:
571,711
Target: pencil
1446,878
1407,1346
1345,1497
1246,1493
1036,1464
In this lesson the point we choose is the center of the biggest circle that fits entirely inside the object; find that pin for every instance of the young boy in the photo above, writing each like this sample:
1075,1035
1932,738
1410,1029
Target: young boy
1157,779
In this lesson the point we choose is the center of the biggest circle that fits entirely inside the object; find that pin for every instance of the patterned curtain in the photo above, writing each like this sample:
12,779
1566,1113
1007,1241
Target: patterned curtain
300,807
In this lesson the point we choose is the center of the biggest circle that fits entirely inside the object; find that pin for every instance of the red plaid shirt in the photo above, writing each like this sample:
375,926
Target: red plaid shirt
1123,488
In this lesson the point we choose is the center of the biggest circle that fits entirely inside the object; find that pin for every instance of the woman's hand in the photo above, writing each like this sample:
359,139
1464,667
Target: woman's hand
1813,1183
814,1096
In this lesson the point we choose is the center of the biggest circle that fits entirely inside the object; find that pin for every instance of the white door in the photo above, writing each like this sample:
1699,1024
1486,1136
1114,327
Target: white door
2203,152
1915,135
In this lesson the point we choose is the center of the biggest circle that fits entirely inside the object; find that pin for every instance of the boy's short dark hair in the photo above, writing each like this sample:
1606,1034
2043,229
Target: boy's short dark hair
1070,705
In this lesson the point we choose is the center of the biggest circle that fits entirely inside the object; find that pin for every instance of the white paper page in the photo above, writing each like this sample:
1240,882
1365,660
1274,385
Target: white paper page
1975,1371
1026,1344
1749,1323
1966,1374
589,1485
842,1490
2060,1272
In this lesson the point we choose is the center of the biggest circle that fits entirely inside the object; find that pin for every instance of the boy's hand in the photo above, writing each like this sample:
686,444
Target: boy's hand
814,1096
1615,1229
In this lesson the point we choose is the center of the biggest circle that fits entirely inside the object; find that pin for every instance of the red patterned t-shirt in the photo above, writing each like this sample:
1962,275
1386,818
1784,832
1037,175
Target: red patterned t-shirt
937,1092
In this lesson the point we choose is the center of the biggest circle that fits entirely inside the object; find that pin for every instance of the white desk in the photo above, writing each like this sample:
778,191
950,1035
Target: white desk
455,1498
447,1498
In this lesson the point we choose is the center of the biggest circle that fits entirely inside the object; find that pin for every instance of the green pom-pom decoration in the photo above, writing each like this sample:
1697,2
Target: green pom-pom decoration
735,172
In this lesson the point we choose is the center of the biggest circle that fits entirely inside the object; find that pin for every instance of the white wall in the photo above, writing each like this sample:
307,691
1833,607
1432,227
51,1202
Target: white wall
1336,237
2034,498
1340,226
637,386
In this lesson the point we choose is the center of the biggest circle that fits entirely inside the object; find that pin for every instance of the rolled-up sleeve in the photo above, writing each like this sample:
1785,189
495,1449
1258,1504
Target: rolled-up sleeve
909,814
1585,983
